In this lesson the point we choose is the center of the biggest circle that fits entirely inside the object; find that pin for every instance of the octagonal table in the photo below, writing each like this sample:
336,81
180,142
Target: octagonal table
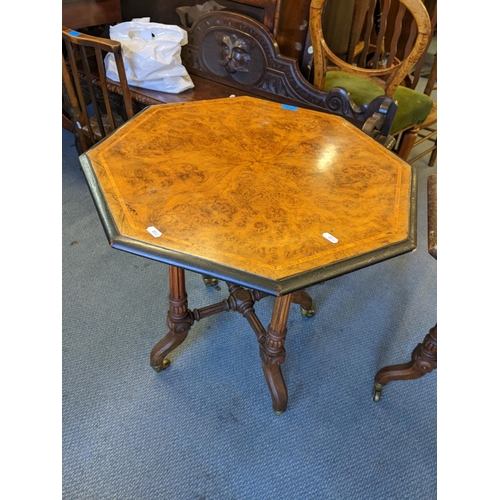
267,197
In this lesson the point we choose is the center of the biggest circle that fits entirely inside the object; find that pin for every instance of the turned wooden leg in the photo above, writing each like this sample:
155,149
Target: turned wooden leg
407,142
272,353
179,320
304,300
423,360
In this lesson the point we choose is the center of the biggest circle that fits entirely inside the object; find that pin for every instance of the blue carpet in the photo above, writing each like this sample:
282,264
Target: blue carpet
204,428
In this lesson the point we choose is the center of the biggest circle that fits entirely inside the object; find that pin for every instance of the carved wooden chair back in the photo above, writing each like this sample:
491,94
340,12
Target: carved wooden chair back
388,39
93,108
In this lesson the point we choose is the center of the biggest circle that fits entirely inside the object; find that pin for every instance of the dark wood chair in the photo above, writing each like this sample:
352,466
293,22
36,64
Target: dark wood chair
93,110
387,39
424,356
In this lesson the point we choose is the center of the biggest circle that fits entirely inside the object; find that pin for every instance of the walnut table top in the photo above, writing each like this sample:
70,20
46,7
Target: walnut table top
269,196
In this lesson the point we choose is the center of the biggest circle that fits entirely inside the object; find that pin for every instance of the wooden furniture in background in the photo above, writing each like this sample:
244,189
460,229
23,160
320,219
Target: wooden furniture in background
267,197
78,14
373,64
372,44
427,131
229,53
424,356
287,20
83,57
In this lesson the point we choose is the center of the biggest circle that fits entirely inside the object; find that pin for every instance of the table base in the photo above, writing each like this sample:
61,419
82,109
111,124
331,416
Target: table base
271,342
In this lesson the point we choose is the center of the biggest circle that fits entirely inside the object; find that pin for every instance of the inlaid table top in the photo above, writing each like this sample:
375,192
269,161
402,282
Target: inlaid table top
265,195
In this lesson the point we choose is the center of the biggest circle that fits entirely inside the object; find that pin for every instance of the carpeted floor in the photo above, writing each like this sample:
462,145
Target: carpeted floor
204,428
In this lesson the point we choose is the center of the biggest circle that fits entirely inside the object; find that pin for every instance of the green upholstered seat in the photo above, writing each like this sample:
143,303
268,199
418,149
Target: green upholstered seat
413,106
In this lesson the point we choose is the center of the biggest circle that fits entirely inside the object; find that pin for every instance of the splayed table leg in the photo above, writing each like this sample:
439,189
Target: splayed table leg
179,320
272,353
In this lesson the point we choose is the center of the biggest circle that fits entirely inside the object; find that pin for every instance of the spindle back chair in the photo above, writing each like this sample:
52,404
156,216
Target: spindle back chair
94,112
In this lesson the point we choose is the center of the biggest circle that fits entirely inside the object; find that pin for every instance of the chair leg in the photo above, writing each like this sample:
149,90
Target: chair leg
407,142
423,360
433,157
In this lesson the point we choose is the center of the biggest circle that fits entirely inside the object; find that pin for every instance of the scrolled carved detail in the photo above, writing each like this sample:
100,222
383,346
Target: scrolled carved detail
338,101
335,103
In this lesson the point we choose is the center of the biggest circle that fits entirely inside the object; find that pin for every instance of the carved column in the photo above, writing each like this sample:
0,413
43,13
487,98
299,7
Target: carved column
179,320
272,353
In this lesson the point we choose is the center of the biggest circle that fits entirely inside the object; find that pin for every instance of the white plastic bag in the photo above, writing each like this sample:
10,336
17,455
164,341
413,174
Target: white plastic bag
151,55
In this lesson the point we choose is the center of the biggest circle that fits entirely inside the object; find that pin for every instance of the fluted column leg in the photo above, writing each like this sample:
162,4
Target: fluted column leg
179,320
272,353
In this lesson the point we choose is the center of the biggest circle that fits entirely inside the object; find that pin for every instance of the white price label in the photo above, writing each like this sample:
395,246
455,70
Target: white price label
152,230
330,238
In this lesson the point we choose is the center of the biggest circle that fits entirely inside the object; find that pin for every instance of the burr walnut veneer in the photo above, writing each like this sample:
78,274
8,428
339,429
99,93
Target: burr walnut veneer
269,198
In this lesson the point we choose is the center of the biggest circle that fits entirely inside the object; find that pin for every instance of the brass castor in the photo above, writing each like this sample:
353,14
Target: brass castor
277,412
307,313
377,392
210,281
164,364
